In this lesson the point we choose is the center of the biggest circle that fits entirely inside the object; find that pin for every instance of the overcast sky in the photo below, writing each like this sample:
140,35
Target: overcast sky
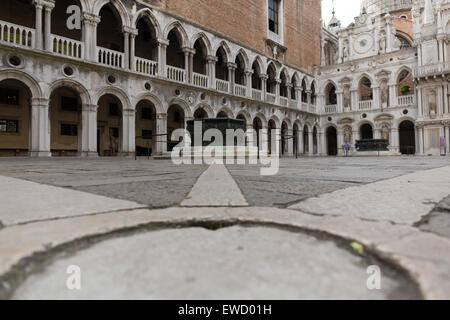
346,10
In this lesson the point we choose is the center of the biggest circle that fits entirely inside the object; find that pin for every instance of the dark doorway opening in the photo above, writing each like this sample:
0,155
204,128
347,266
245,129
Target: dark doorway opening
332,141
407,137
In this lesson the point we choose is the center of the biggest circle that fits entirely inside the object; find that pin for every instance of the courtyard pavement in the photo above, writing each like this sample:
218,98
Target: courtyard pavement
153,230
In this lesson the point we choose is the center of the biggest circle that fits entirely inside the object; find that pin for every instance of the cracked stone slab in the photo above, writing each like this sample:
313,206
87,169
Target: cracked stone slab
24,201
405,199
215,187
425,256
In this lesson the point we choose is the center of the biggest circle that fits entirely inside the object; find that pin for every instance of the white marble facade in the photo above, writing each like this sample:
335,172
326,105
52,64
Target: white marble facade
371,55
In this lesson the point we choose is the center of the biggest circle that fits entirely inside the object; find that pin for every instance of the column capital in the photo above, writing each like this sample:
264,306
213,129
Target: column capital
49,5
161,116
130,30
188,50
232,66
264,76
40,102
91,18
211,59
248,72
89,107
162,42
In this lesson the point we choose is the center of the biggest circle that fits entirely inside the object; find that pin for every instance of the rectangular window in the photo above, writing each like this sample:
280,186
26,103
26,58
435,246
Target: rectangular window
274,15
113,109
9,96
70,130
146,114
9,126
147,134
69,104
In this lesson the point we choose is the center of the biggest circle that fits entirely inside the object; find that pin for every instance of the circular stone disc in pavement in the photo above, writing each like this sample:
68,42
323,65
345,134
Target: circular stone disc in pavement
195,263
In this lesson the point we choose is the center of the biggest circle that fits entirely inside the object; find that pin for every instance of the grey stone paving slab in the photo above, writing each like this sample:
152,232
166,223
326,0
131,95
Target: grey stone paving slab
308,177
152,183
24,201
231,263
405,199
438,221
215,187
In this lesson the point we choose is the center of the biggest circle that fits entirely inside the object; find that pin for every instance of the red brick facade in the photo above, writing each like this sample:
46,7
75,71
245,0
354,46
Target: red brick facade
245,21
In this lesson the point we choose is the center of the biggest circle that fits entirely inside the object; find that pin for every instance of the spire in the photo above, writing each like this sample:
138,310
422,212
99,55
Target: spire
428,13
334,22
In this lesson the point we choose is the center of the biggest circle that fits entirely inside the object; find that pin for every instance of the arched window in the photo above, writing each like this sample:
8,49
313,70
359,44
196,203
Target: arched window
239,76
293,89
313,94
405,83
283,85
221,64
174,54
331,97
200,56
256,76
404,42
146,46
304,93
365,89
109,30
271,81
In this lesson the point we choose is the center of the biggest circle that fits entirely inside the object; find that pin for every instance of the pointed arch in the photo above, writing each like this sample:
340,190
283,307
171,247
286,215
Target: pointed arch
204,39
147,13
118,5
226,48
179,31
241,52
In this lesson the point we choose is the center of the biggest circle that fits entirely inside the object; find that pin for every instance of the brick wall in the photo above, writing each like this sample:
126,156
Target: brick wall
245,21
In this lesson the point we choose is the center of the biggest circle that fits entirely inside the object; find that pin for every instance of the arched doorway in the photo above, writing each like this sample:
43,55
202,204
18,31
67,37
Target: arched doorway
332,147
65,122
109,126
305,139
407,137
315,140
257,126
15,118
366,132
295,139
271,136
145,128
200,113
175,121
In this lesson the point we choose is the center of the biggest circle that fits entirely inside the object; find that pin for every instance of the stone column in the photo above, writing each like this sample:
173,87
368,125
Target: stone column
321,103
133,33
300,141
310,142
308,95
231,69
340,142
40,128
188,58
393,101
90,23
211,61
289,93
48,25
421,145
89,130
340,101
377,133
277,91
161,133
446,98
419,103
447,138
395,140
248,77
162,47
264,141
126,45
38,23
376,98
289,143
264,78
322,144
128,132
355,99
